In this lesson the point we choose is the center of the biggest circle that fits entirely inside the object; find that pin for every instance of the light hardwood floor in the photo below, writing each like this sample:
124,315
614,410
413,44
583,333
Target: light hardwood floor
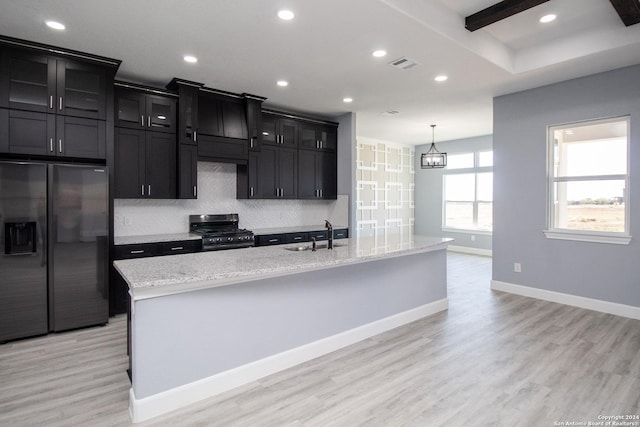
491,359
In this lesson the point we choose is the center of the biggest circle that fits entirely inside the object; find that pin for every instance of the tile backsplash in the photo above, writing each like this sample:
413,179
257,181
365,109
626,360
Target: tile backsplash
216,195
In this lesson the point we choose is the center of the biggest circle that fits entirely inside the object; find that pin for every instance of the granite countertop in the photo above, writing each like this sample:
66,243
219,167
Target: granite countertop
299,229
166,275
154,238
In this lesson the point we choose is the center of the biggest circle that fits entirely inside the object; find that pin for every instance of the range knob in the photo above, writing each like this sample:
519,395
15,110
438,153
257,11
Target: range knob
229,239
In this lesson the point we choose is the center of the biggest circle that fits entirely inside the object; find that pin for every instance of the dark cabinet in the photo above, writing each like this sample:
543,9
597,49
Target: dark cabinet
27,132
317,175
187,171
318,137
137,110
254,122
145,164
276,169
188,114
143,250
280,131
47,84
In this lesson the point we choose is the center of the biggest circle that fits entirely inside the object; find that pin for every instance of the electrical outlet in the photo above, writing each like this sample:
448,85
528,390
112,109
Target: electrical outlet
473,238
517,267
127,220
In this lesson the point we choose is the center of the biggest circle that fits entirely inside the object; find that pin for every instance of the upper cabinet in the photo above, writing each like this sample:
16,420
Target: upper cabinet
278,130
54,105
188,105
138,110
314,136
253,105
48,84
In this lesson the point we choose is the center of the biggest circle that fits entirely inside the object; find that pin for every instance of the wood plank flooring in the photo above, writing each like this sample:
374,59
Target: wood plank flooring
492,359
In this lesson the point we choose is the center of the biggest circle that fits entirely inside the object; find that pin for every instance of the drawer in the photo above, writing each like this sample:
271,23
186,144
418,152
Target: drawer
271,239
342,233
319,235
297,237
179,247
136,251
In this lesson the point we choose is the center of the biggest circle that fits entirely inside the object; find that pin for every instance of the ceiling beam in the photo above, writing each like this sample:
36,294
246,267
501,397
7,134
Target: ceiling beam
500,11
629,11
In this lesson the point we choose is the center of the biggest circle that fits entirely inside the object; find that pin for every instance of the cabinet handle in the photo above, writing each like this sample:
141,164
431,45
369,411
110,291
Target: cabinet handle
149,121
251,142
195,136
137,251
321,193
273,240
195,191
250,191
51,145
321,144
142,190
60,145
51,102
177,248
297,238
142,120
60,103
149,190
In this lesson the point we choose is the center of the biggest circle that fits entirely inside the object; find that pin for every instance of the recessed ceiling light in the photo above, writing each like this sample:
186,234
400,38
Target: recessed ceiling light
191,59
548,18
440,78
379,53
55,25
347,99
286,15
283,83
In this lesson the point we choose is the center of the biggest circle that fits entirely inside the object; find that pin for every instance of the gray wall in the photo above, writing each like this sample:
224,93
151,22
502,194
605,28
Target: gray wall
428,193
594,270
347,162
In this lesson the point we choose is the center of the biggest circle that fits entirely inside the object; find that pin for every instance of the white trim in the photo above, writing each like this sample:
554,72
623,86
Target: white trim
178,397
469,250
468,231
623,310
587,237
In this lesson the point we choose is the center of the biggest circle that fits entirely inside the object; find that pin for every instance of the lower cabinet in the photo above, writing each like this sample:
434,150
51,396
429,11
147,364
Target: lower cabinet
145,164
295,237
41,134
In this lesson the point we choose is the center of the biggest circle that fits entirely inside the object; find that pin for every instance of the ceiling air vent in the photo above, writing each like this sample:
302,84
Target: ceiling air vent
390,113
403,63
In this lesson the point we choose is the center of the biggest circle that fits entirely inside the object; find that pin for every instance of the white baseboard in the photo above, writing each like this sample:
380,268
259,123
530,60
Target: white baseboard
170,400
469,250
567,299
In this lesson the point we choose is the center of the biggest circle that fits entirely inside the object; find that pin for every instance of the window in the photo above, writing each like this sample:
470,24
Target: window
468,191
589,181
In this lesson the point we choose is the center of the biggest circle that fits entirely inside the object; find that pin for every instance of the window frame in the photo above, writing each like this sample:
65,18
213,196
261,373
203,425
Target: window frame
475,170
554,232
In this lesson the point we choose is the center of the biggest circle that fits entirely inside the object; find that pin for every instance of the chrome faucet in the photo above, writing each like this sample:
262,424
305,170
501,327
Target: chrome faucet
330,233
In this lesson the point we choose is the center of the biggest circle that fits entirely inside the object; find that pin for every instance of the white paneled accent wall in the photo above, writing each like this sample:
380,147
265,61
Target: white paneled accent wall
217,195
384,188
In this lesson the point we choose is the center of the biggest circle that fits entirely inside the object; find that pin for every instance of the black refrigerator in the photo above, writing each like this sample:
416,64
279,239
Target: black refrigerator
54,231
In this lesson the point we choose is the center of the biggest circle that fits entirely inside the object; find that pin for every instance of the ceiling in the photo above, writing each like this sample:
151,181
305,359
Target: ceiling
325,52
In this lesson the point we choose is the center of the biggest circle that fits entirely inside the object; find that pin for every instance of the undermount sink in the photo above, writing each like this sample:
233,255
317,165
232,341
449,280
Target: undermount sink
308,247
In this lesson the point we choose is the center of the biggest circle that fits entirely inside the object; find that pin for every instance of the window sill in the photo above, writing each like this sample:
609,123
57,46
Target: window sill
587,237
467,231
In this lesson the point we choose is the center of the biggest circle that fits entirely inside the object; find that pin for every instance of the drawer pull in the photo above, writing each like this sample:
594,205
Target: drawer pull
273,240
140,251
297,238
177,248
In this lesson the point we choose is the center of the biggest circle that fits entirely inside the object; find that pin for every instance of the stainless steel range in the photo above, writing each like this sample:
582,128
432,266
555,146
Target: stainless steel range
220,232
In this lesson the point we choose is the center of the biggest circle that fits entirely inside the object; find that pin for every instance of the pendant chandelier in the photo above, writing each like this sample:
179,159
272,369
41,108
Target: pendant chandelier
433,158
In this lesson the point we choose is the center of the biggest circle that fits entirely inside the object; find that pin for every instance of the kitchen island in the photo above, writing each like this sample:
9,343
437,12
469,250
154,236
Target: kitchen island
207,322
